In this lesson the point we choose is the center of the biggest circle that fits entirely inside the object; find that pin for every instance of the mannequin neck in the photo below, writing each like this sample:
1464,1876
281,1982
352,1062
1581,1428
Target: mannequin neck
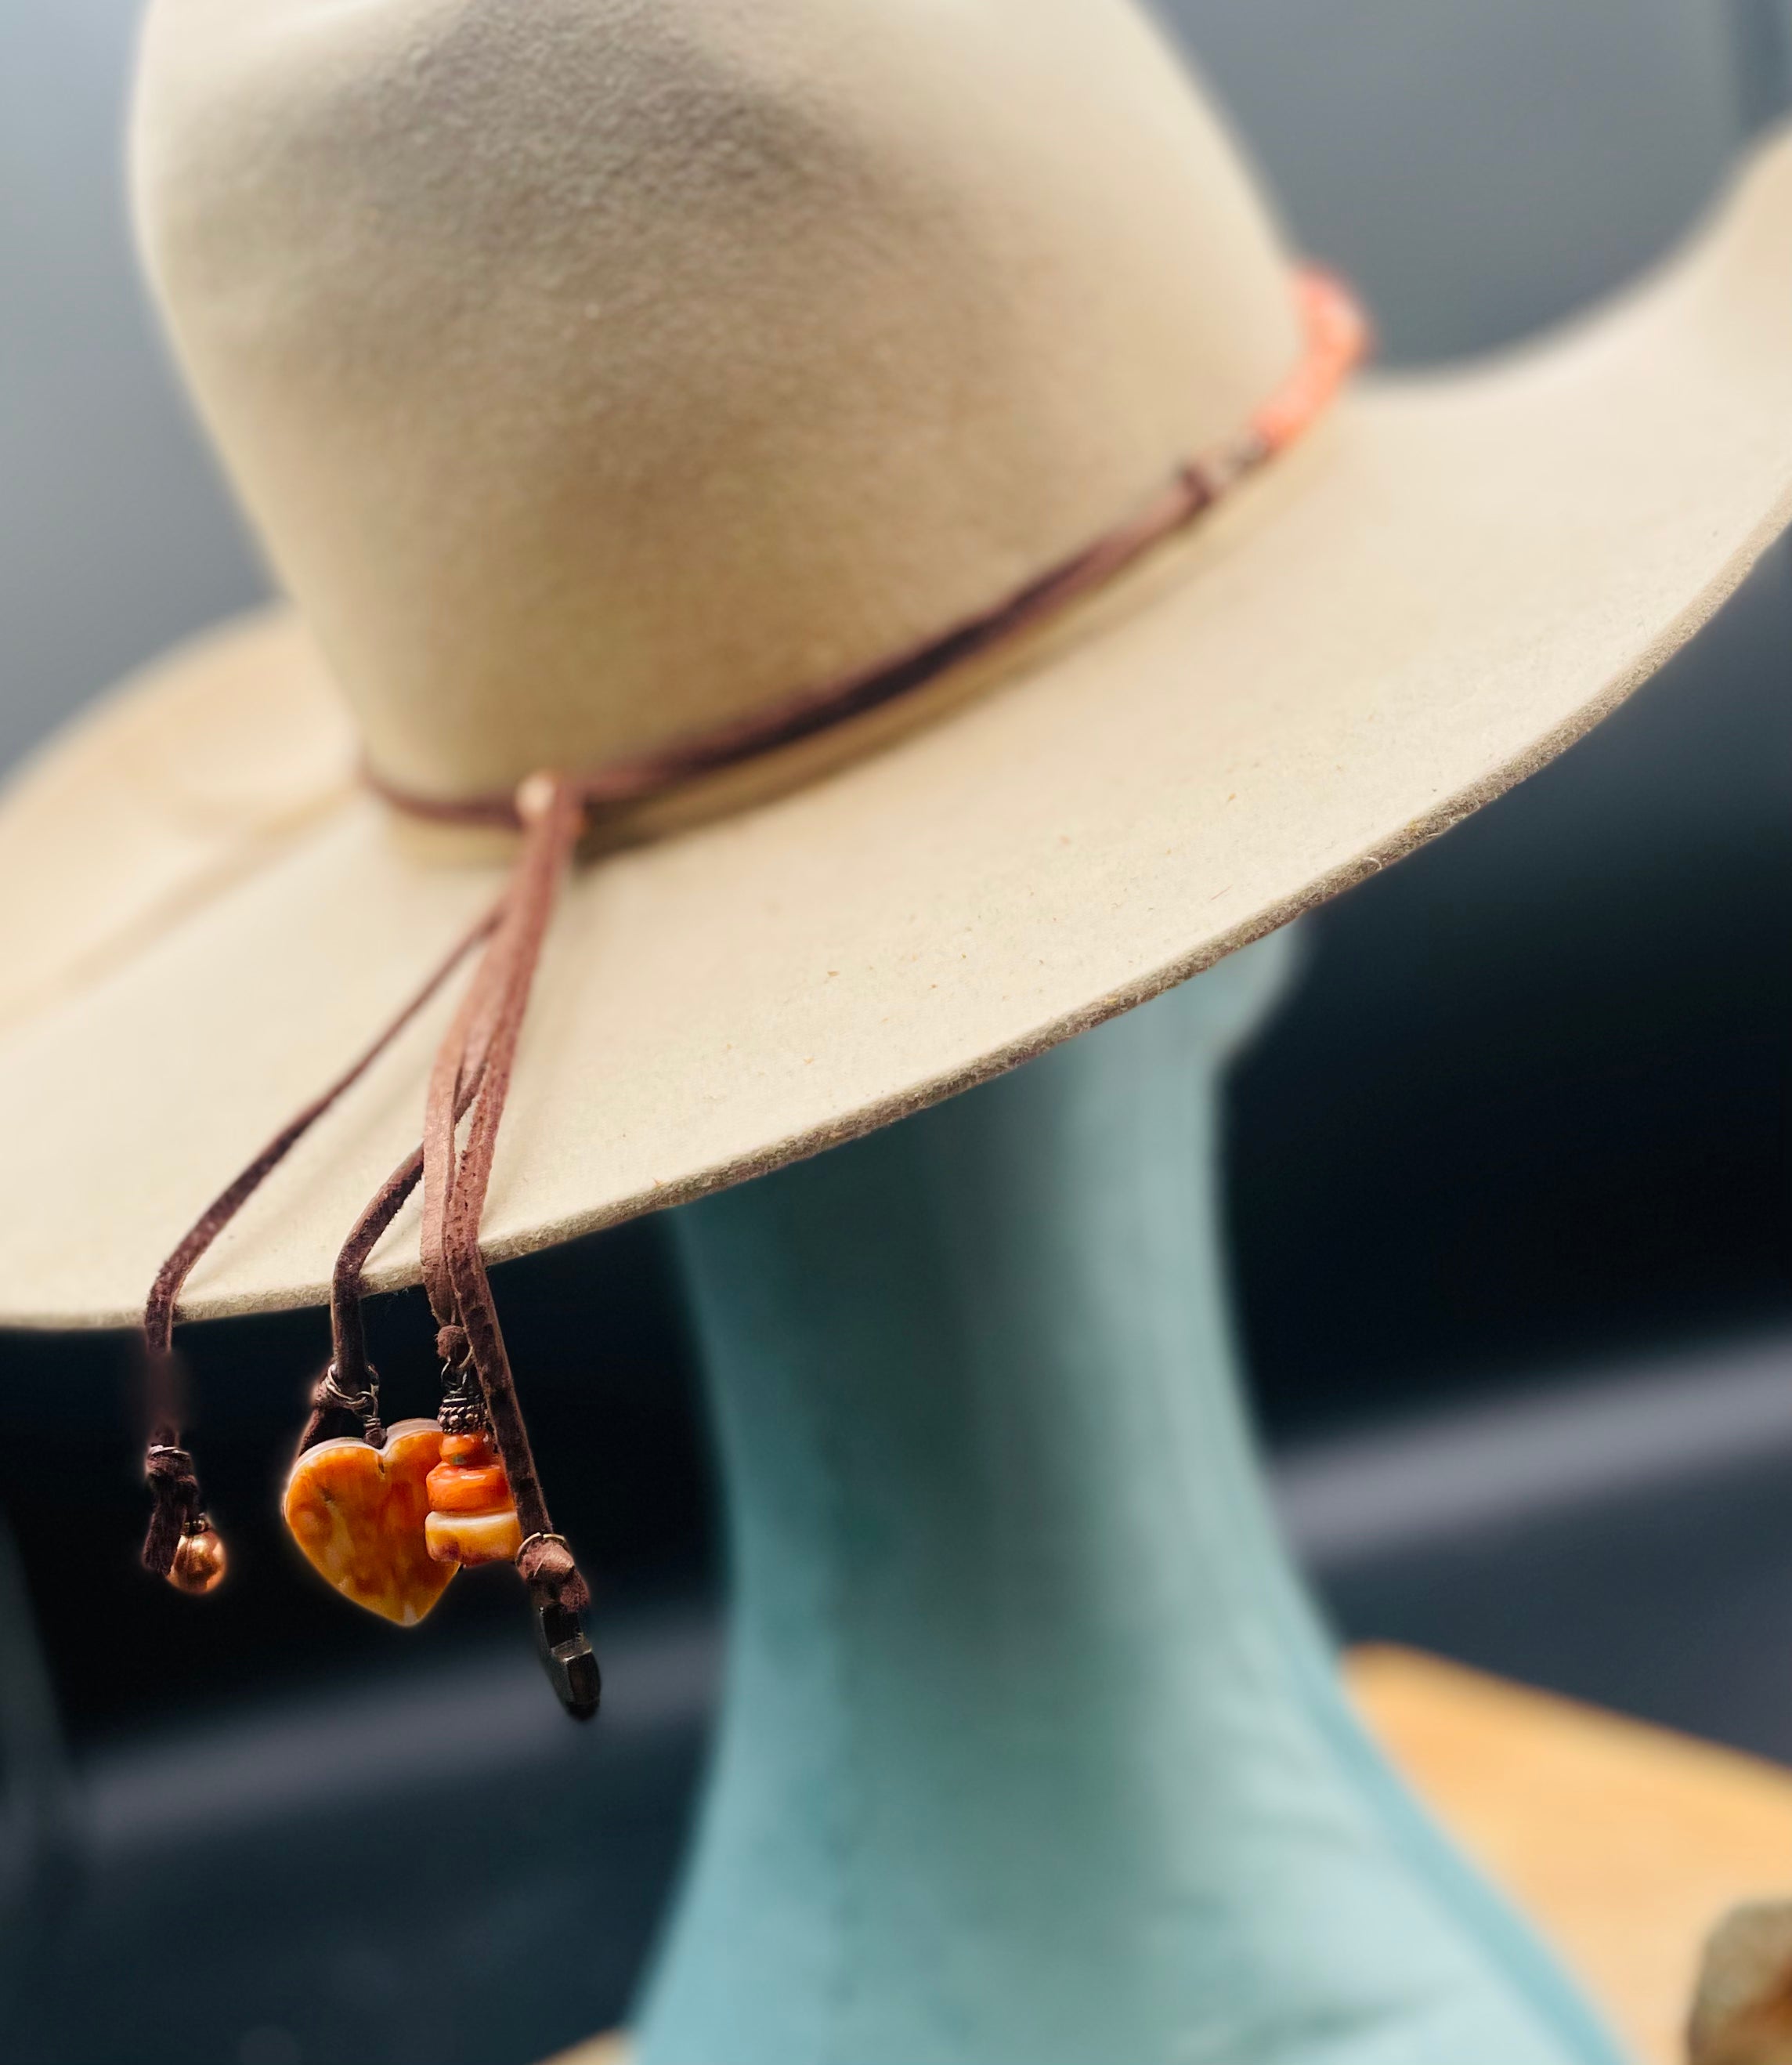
1030,1750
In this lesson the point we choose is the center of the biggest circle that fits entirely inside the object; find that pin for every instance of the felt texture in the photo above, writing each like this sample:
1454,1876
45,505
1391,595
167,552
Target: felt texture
593,371
1443,586
1030,1748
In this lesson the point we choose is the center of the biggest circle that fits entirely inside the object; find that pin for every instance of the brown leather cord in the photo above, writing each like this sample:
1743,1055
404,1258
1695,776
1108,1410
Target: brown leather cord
174,1484
484,1043
176,1507
350,1376
637,777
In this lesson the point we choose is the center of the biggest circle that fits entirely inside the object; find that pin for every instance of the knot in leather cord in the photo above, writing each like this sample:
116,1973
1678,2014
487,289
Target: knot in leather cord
546,1566
175,1500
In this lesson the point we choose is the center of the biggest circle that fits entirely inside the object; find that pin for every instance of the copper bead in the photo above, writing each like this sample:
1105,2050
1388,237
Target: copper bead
198,1564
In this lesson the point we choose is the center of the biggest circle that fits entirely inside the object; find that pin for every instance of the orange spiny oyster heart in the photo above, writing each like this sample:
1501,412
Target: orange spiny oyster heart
357,1512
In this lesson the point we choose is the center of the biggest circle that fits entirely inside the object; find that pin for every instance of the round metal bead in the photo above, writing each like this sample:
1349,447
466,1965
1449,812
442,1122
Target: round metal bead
199,1563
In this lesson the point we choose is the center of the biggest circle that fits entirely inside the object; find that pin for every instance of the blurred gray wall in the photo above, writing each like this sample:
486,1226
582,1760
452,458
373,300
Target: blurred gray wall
1478,166
115,535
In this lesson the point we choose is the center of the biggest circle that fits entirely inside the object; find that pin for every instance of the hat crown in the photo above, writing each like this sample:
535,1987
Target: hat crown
596,370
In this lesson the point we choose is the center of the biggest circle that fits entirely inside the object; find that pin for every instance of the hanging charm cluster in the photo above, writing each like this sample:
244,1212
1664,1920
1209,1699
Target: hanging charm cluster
387,1516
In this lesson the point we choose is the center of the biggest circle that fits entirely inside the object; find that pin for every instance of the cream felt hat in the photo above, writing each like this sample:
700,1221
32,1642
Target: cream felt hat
597,374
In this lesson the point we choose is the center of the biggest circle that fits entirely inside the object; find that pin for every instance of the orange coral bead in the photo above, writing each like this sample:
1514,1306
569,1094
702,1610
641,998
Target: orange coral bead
471,1518
453,1489
1337,339
474,1538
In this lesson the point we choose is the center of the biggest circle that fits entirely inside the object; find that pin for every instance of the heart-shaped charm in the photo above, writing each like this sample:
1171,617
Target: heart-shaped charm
357,1512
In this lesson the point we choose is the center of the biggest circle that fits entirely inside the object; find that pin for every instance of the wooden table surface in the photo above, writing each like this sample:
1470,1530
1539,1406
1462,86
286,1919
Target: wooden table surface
1624,1842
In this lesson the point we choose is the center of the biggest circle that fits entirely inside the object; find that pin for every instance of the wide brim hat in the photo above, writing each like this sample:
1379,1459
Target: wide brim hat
209,910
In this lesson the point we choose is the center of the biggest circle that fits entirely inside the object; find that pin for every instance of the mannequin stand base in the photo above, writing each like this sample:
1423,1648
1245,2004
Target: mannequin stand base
1625,1843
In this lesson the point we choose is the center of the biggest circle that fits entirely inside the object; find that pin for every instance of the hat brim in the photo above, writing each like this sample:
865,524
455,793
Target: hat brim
1452,580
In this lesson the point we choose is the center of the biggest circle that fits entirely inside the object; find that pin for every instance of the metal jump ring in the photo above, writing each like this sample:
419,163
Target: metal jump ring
330,1392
